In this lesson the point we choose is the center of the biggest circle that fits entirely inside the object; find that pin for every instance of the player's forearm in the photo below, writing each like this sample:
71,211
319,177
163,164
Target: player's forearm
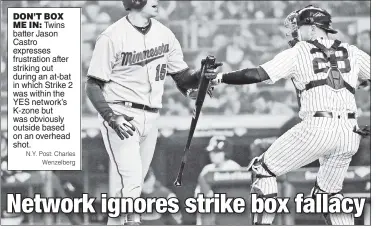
187,79
245,76
94,93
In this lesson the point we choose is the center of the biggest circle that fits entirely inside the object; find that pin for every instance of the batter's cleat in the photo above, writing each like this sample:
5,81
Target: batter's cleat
132,220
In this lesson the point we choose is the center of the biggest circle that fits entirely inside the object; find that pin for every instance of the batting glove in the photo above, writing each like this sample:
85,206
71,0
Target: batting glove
211,72
121,125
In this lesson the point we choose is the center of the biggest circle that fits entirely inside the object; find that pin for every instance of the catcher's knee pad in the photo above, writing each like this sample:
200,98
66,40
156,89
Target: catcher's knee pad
333,219
264,181
264,186
259,169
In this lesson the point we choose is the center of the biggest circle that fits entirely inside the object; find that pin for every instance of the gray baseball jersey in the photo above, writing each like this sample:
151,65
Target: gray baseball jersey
133,66
137,64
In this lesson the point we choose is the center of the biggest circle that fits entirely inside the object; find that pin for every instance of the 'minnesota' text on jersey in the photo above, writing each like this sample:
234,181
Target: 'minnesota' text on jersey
137,63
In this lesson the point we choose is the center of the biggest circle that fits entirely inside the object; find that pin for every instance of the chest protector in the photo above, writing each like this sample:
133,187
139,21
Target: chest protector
334,78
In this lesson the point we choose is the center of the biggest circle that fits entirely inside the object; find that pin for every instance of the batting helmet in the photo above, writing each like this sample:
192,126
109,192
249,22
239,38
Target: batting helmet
220,144
134,4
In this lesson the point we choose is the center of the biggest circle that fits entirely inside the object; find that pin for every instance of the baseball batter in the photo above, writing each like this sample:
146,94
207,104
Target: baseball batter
130,62
325,73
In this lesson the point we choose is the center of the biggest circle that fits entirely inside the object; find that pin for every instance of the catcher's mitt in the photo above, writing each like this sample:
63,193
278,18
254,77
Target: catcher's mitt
364,131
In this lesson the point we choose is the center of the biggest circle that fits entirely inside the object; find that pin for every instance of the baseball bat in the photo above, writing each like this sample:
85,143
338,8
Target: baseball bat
202,90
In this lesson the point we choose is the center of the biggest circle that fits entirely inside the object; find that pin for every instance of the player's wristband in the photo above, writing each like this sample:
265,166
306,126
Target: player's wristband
219,77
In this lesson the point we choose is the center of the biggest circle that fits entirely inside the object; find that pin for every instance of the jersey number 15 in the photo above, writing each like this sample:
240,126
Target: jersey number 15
160,72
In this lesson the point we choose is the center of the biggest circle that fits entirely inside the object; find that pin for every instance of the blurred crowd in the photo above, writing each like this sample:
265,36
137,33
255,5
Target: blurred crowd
239,33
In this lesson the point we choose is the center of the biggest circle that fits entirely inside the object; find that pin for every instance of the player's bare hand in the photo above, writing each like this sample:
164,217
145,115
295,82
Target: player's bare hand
122,126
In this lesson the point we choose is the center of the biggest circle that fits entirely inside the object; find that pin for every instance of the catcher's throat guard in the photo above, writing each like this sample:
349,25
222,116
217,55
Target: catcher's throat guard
291,23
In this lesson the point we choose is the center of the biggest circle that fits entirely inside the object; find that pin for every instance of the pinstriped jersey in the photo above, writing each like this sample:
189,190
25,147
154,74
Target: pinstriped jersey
134,65
304,63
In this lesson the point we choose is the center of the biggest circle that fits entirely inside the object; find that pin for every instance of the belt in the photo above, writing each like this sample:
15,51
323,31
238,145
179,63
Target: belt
330,114
138,106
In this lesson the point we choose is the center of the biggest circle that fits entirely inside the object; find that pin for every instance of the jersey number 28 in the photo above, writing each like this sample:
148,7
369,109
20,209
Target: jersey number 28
344,58
160,72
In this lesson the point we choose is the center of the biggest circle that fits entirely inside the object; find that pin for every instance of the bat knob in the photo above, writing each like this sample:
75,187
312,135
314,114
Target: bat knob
177,183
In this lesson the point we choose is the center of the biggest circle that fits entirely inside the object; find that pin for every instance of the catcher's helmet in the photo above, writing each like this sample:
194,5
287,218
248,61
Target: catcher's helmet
220,144
309,15
134,4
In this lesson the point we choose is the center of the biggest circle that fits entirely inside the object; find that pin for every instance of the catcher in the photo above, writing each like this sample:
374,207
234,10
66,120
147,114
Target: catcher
325,72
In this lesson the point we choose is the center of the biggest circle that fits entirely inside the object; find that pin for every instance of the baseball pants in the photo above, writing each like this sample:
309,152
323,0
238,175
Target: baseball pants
129,158
331,140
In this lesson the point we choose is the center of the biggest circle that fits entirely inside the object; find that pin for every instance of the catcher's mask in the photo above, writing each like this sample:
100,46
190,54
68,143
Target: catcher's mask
309,15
